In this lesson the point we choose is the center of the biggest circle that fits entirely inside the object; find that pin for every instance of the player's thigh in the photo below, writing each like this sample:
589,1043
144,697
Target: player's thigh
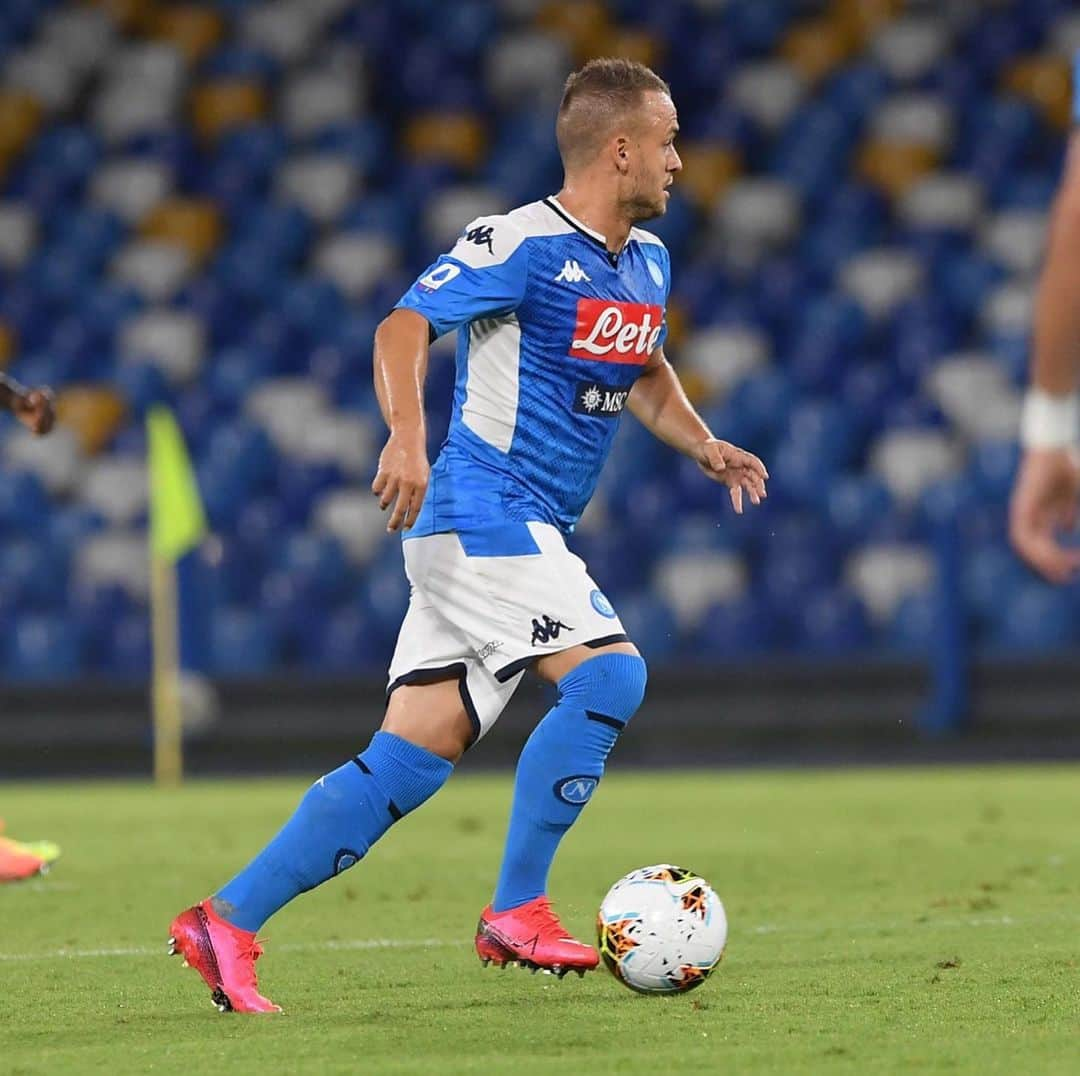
554,667
432,716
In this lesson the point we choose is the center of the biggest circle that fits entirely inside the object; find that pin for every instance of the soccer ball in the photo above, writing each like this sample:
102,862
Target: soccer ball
661,930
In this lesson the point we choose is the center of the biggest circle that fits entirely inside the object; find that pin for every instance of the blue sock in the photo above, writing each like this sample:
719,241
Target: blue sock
560,766
342,815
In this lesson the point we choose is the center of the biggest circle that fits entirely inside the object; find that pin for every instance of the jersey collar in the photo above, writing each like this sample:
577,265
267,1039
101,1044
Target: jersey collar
556,206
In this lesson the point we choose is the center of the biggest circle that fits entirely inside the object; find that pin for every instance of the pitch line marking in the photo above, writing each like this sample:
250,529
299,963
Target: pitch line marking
360,944
299,947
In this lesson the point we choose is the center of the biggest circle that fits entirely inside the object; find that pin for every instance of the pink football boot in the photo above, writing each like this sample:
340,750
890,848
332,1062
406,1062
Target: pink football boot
532,937
223,955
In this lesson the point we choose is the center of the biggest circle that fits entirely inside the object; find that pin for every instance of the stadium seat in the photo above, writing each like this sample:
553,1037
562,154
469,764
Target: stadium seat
213,204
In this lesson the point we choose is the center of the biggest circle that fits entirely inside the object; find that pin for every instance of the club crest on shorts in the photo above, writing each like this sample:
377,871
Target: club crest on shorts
576,790
345,859
601,604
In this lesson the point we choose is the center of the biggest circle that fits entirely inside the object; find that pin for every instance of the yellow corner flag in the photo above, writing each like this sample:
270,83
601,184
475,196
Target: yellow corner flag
177,525
177,522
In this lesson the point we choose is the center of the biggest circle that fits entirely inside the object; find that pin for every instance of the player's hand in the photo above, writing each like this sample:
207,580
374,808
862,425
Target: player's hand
1044,503
736,468
402,478
36,410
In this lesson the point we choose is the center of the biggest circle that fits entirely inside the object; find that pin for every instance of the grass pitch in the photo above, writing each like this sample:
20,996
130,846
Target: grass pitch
881,921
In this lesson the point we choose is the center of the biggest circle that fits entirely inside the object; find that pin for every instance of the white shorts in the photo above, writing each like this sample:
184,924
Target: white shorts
485,618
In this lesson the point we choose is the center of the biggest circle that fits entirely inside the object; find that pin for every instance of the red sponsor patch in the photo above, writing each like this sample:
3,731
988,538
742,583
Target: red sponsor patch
607,331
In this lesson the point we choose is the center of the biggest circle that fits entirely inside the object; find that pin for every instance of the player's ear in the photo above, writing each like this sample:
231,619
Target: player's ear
620,152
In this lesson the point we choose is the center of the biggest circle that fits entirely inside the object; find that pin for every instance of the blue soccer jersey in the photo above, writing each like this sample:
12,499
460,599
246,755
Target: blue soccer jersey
554,331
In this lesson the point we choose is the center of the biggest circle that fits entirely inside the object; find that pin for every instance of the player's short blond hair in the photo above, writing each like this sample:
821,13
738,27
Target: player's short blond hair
595,98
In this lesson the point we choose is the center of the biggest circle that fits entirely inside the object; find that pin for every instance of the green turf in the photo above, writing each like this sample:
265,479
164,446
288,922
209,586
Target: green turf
882,921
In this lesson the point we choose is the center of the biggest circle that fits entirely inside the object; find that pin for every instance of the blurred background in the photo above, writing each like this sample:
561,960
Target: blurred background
212,205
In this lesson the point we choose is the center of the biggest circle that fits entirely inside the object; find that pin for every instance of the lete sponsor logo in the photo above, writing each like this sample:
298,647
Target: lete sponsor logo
607,331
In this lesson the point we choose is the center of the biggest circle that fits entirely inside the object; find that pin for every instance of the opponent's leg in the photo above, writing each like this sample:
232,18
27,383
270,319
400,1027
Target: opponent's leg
342,815
559,767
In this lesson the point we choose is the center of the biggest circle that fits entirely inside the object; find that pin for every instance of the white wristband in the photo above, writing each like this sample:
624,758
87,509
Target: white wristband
1049,421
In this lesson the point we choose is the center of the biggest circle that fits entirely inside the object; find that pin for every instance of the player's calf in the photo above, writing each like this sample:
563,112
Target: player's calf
559,769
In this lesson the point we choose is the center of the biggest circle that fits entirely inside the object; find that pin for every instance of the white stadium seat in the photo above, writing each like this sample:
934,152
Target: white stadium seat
323,184
908,461
909,47
172,340
1009,308
115,558
922,118
44,73
948,200
880,279
769,91
1016,239
156,269
527,65
722,356
18,233
883,575
130,187
975,395
117,488
57,460
356,261
354,518
449,210
691,582
316,99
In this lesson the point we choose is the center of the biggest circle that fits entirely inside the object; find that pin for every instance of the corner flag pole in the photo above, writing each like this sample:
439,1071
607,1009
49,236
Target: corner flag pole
177,525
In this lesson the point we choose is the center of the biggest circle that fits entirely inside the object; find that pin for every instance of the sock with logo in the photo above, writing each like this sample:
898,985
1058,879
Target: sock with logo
342,815
560,766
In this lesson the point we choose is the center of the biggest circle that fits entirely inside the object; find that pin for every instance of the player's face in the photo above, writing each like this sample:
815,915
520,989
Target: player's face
653,157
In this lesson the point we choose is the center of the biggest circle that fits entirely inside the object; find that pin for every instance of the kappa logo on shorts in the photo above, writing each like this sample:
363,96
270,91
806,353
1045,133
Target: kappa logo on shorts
576,790
547,629
489,648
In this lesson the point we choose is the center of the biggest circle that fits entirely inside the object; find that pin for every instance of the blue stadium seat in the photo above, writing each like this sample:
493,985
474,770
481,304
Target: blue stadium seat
832,621
43,647
244,644
1033,618
731,631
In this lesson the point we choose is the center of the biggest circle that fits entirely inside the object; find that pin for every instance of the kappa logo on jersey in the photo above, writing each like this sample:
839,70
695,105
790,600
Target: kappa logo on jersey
607,331
572,273
438,277
601,401
546,630
481,235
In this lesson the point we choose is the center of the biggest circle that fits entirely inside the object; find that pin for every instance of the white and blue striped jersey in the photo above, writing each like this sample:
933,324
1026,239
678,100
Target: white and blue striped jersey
553,332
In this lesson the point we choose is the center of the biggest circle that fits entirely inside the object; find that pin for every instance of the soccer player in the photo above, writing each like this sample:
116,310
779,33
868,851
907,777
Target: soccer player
20,860
34,409
560,311
1045,497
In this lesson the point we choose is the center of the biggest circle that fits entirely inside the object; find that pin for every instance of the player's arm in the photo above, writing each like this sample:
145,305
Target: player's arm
32,407
659,403
483,276
1044,500
400,360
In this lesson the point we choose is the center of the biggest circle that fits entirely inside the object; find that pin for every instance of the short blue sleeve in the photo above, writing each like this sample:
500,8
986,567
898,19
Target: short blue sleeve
659,264
483,276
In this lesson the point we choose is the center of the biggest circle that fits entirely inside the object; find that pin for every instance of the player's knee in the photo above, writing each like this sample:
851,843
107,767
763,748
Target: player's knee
609,685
